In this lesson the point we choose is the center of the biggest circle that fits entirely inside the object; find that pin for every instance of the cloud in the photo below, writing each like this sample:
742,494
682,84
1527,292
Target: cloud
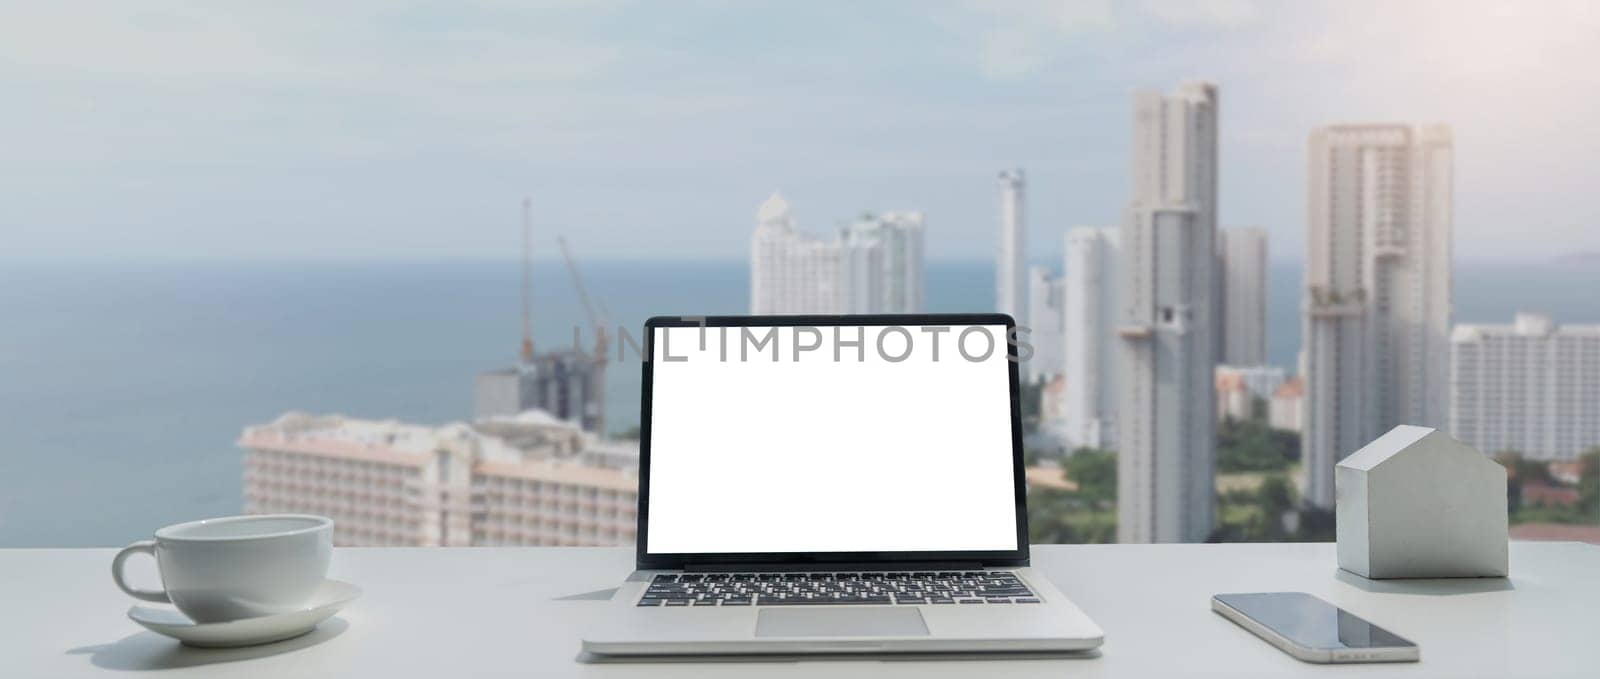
160,106
1020,37
1201,13
356,80
271,44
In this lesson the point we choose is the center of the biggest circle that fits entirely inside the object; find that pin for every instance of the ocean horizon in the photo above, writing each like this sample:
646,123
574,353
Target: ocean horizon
124,382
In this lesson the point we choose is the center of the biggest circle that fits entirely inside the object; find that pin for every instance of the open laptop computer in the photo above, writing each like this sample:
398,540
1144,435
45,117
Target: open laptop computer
828,484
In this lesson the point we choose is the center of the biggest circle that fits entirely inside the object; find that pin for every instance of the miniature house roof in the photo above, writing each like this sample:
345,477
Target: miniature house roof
1398,439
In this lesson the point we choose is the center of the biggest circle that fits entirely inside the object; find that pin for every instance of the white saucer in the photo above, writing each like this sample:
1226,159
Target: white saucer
331,596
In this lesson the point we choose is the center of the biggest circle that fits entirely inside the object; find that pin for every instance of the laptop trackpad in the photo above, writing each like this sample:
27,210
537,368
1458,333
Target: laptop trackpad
840,622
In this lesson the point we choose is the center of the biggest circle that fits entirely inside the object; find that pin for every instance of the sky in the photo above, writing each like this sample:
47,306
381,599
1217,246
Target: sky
368,128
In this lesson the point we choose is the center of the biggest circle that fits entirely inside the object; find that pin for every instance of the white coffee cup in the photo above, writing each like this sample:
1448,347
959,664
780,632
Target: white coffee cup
216,570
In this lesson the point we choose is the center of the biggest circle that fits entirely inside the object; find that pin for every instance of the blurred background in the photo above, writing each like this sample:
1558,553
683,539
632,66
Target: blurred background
376,260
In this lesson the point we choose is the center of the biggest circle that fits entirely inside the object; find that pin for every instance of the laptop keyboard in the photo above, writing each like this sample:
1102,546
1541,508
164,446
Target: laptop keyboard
837,589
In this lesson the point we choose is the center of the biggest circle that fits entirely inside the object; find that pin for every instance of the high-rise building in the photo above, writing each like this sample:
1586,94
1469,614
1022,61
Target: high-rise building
1530,387
883,269
1166,417
791,272
1090,362
525,479
1045,306
564,383
1377,301
1010,274
861,269
875,265
1242,304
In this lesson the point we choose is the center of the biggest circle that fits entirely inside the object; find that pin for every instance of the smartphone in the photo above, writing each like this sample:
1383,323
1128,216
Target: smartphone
1313,630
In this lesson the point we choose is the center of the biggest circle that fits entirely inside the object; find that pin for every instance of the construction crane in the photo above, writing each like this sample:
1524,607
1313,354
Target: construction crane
598,322
527,255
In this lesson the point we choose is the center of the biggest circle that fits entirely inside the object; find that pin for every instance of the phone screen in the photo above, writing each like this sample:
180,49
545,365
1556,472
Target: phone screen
1311,622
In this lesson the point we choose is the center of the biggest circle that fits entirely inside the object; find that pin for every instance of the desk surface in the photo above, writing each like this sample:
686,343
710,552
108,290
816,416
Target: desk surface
511,612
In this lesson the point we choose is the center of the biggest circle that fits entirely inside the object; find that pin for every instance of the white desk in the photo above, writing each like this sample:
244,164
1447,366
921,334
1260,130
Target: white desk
495,612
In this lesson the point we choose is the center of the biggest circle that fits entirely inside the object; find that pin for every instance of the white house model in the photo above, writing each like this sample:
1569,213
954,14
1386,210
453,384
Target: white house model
1416,503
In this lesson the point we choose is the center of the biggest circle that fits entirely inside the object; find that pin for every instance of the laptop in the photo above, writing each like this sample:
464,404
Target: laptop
833,484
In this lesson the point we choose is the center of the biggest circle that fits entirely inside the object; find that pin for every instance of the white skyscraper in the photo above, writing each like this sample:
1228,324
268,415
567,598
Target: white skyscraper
1010,274
861,269
1166,417
873,266
1529,387
1377,305
1089,291
1242,304
885,255
1044,324
791,272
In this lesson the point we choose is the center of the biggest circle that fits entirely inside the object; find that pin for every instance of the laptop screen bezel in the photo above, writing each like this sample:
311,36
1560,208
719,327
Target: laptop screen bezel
1014,557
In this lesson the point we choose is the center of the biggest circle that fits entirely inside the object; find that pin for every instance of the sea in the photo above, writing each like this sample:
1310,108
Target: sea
125,383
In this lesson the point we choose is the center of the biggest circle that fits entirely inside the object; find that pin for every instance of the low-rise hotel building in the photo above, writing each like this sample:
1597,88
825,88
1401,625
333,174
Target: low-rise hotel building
526,479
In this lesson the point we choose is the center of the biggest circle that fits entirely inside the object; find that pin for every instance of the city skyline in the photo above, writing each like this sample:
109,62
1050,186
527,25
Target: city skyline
298,226
286,136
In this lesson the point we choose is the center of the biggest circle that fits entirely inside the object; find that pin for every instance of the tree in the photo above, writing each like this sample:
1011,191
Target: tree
1589,484
1057,516
1085,515
1520,472
1095,472
1252,446
1275,495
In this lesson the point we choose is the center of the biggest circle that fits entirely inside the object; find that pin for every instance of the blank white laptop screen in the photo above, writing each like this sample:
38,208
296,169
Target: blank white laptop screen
777,447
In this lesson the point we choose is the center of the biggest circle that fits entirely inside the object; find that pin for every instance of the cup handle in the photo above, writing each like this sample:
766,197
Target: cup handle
147,547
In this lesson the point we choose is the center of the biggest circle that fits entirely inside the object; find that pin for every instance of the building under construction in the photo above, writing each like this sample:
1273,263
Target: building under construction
567,383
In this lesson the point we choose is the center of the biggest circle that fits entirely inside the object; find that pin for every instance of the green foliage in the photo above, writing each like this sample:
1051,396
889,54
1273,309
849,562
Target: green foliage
1252,446
1275,495
1063,517
1095,472
1521,472
1316,525
1031,456
1256,515
1589,484
1086,515
1552,514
